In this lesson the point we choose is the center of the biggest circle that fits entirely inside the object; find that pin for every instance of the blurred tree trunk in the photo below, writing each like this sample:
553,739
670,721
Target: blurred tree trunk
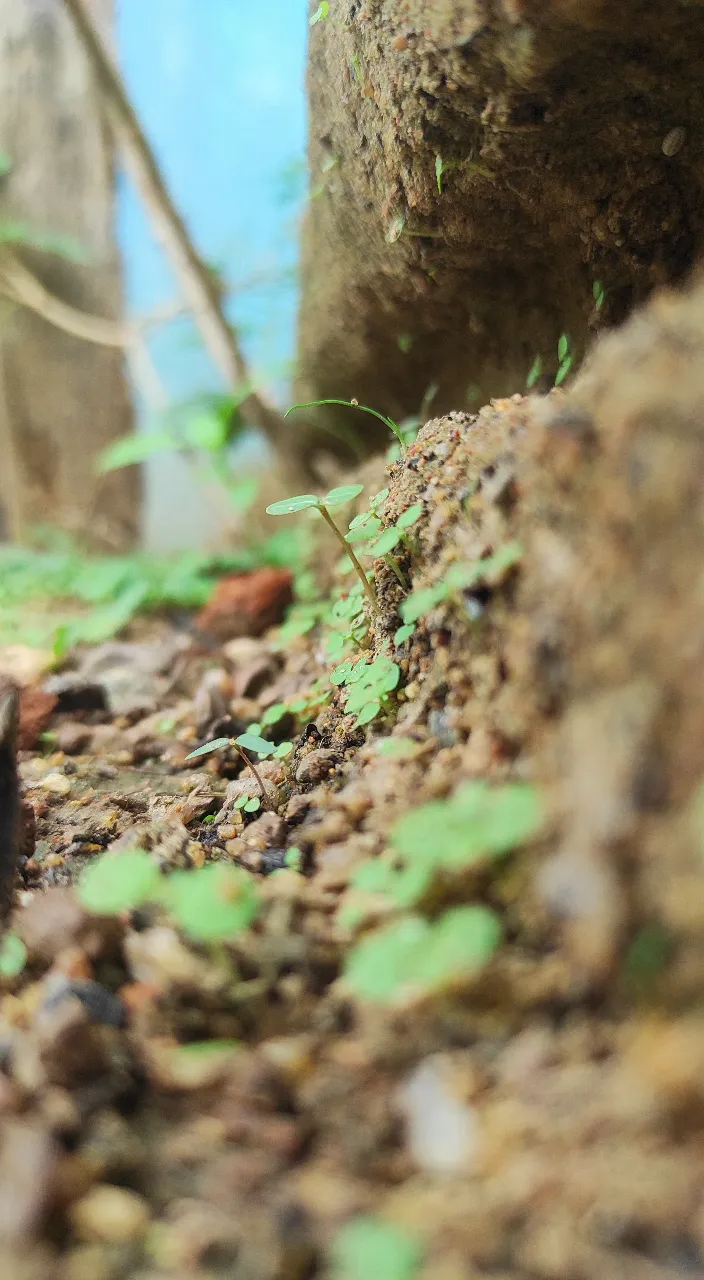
62,400
481,171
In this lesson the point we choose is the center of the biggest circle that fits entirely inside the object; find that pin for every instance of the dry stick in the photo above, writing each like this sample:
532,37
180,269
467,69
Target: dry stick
368,589
197,283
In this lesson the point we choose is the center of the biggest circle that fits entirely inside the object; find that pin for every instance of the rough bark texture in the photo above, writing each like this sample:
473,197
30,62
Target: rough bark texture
62,399
571,136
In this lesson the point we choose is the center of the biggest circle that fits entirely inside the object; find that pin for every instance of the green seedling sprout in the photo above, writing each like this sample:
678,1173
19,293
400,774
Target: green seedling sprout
214,903
369,1249
209,904
118,882
329,502
565,357
13,956
320,14
245,742
492,570
368,686
534,372
354,404
444,838
411,958
367,526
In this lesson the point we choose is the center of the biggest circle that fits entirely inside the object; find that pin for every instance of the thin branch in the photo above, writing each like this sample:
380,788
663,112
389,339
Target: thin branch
196,281
18,283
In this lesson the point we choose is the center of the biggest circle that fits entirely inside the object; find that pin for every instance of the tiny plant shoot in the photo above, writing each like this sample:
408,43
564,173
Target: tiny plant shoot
330,501
320,14
354,404
246,742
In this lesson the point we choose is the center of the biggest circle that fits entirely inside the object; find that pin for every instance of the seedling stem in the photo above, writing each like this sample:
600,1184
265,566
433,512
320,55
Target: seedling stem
348,550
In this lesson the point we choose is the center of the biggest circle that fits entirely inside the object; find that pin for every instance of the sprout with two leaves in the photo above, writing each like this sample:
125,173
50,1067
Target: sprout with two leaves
245,742
338,497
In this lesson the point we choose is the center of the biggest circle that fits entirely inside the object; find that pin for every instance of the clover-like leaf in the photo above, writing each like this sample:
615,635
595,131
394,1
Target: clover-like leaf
368,712
368,1249
252,742
389,539
214,903
287,506
341,495
215,744
410,516
117,882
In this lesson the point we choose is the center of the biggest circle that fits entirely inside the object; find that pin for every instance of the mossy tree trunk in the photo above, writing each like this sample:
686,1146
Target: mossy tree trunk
62,399
477,167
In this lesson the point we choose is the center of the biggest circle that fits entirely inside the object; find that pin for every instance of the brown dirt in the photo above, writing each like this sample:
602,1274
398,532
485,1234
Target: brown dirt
575,1073
569,109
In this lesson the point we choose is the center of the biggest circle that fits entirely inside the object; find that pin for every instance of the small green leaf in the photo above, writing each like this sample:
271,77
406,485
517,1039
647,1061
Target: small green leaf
252,805
411,958
272,715
369,711
320,14
389,539
366,531
563,371
404,633
342,673
422,601
13,956
342,494
214,903
368,1249
216,744
293,858
398,748
117,882
535,371
563,346
241,801
439,170
410,516
378,499
283,750
287,506
252,742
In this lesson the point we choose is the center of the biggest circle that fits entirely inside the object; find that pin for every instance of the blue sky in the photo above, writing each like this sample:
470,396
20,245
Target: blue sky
218,86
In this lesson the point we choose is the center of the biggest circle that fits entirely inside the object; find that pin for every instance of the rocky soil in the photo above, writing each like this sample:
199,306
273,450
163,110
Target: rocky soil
543,1118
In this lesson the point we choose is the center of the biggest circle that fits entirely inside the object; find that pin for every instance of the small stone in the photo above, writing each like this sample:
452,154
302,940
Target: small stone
255,676
56,784
87,1262
265,832
316,766
111,1215
673,141
73,739
211,698
443,1131
246,604
36,708
27,1167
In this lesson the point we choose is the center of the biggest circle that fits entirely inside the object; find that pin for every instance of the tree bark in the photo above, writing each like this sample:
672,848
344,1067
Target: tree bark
62,400
565,137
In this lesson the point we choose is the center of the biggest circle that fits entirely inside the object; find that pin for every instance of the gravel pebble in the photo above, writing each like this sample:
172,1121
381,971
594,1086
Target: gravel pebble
112,1215
316,766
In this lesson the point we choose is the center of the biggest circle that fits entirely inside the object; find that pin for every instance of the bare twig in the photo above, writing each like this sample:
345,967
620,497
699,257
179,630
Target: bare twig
196,281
